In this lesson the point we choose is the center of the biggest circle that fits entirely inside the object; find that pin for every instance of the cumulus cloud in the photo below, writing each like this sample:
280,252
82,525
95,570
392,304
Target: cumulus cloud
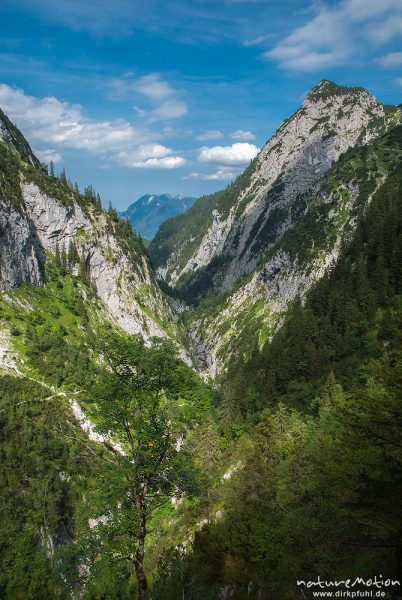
51,121
391,60
210,135
165,101
246,136
236,154
151,156
49,155
167,162
154,87
223,174
336,33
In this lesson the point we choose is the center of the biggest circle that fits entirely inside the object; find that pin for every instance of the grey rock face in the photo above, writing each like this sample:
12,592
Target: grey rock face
330,121
21,255
128,290
124,288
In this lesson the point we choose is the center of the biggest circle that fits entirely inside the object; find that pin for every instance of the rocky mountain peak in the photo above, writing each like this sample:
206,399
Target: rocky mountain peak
326,89
252,215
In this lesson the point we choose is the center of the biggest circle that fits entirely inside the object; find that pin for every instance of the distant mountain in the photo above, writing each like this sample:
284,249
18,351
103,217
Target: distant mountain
151,210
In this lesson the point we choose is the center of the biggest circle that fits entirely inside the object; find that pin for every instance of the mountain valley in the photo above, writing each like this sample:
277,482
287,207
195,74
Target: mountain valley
263,325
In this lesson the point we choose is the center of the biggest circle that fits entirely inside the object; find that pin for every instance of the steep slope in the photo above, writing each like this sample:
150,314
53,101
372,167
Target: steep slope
10,135
223,237
40,214
150,211
53,459
255,309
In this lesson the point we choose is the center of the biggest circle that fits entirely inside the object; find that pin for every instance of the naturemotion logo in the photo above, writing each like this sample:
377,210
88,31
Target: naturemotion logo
358,587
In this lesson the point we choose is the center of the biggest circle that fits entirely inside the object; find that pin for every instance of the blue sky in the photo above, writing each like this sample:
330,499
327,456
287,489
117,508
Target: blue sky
178,96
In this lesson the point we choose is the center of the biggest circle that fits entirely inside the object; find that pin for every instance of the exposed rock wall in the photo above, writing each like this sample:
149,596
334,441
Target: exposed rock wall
21,255
330,120
128,290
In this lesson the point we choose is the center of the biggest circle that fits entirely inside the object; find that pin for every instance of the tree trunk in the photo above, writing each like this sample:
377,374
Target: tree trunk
139,555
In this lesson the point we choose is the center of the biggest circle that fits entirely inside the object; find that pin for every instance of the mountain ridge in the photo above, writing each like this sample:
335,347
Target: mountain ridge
247,219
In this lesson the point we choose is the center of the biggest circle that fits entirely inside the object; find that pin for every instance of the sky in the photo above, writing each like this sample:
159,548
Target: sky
156,96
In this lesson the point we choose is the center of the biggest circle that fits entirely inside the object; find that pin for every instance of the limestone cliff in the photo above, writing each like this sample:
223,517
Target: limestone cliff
256,307
40,214
247,219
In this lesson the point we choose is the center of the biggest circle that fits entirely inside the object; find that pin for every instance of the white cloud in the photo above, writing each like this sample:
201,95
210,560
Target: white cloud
391,60
236,154
51,121
257,40
387,30
165,101
239,134
48,155
151,156
168,162
153,87
337,33
210,135
223,174
170,109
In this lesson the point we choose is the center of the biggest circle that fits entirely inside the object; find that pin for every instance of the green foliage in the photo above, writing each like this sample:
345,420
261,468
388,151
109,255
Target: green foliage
141,400
328,89
130,243
10,189
295,470
42,479
319,494
14,137
319,488
350,314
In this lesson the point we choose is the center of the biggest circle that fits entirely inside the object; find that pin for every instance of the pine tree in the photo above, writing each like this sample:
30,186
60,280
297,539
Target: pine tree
112,212
79,308
51,169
